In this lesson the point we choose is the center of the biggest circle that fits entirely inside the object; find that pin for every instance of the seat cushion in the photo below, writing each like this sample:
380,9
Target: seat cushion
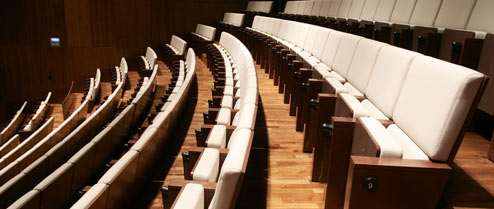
388,146
217,137
374,112
207,167
352,90
338,87
224,117
227,102
357,108
334,74
323,70
410,149
228,91
192,197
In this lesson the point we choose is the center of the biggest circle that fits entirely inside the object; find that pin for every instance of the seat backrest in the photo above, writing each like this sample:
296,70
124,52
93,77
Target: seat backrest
425,12
331,47
363,63
344,8
266,24
387,77
345,53
250,6
230,174
311,38
298,7
454,14
151,56
384,10
402,11
123,65
432,110
482,16
369,9
308,7
282,31
275,27
226,17
256,22
320,42
206,31
356,9
303,30
324,8
292,32
289,7
96,197
191,58
335,7
121,177
316,8
178,43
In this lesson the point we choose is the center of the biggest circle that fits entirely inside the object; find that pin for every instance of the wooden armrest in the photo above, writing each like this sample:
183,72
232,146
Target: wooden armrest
387,183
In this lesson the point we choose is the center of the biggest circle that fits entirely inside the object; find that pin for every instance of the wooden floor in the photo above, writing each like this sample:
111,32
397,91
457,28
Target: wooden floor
278,174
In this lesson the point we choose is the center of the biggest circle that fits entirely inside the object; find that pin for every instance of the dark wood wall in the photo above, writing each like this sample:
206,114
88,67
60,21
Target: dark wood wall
93,33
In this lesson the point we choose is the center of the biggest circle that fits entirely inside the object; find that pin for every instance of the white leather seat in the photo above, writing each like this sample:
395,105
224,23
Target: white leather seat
207,167
454,14
191,197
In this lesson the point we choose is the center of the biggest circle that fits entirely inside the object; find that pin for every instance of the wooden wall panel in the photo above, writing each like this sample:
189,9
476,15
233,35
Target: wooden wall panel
93,34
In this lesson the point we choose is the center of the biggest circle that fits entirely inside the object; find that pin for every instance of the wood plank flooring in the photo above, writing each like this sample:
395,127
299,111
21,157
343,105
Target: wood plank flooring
278,175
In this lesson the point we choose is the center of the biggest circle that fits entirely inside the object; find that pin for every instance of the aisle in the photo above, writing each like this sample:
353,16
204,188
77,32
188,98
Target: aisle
278,175
285,181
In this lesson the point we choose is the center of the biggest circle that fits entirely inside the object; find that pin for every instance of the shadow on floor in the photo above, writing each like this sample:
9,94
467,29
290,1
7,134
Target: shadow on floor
463,191
169,154
254,189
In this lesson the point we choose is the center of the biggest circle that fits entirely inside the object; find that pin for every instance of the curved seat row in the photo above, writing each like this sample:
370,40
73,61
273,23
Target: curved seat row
235,19
437,28
13,125
39,115
376,110
259,6
16,140
203,35
173,51
454,31
217,166
230,24
125,177
45,156
62,186
256,8
148,61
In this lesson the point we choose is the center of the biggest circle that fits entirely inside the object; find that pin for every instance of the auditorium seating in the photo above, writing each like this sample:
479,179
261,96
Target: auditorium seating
230,24
203,35
256,8
173,51
259,6
148,61
35,136
373,86
13,125
74,173
228,140
235,19
23,173
39,115
127,175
